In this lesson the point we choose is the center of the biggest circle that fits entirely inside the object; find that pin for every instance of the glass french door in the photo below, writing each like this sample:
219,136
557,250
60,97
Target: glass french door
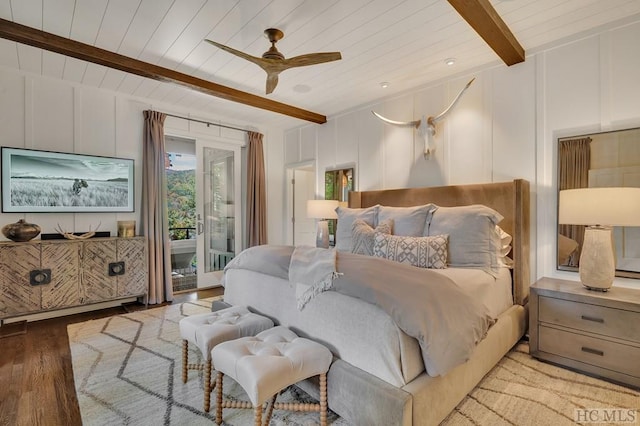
218,209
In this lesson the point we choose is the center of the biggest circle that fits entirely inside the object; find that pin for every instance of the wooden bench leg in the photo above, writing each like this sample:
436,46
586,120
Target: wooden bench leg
270,409
258,415
207,385
323,399
185,359
219,398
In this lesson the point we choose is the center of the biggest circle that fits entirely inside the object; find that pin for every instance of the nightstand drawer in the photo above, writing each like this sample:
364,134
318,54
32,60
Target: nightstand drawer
592,318
601,353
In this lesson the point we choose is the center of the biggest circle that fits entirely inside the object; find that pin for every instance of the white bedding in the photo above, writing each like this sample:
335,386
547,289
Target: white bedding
357,332
495,293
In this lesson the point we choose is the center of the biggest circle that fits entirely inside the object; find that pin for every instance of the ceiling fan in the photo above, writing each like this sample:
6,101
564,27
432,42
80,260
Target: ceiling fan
274,62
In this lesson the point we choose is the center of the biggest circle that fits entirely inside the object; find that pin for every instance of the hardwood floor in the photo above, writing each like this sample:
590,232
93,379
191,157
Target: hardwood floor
36,379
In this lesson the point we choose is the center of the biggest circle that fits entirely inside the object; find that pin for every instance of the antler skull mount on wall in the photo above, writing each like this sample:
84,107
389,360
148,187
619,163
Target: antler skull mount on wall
426,126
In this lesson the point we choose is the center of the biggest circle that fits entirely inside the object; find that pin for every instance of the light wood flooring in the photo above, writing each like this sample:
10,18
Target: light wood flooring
36,378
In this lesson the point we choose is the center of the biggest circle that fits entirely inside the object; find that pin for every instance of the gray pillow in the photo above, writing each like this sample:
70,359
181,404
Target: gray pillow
408,221
362,235
473,240
346,216
423,252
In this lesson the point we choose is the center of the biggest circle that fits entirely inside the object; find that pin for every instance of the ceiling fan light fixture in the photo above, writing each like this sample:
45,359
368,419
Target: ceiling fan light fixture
450,61
273,62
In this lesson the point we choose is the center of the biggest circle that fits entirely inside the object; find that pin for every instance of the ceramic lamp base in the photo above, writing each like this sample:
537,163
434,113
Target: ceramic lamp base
322,235
598,258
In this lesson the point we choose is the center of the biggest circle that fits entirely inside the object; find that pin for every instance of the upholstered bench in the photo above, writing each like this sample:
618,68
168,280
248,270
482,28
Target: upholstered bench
266,364
208,330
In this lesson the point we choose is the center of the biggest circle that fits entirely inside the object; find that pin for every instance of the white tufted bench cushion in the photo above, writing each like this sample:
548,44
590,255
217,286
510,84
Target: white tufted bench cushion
210,329
270,361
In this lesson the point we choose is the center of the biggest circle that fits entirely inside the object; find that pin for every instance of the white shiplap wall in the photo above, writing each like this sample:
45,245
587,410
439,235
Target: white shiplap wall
505,127
49,114
53,115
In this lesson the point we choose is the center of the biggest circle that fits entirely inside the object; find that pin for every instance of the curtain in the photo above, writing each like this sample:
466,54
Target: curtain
574,160
155,222
256,192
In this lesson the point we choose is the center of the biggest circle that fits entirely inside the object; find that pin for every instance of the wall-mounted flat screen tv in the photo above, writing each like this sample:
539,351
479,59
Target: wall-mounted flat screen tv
42,181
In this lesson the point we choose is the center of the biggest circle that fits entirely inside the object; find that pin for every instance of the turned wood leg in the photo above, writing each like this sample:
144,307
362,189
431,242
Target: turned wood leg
185,359
258,415
207,385
219,398
270,409
323,399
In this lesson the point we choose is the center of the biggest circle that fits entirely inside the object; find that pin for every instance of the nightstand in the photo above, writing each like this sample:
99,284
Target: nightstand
593,332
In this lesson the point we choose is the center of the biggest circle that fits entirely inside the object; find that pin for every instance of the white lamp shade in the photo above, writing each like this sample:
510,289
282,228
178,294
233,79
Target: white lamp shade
322,209
600,206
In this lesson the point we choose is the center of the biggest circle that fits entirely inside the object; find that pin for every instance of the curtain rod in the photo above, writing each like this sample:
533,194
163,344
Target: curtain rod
207,122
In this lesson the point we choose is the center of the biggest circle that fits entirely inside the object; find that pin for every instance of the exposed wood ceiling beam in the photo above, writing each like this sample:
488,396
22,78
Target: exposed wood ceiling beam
36,38
483,18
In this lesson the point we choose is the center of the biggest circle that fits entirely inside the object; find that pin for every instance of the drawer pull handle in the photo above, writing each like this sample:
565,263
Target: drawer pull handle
592,351
594,319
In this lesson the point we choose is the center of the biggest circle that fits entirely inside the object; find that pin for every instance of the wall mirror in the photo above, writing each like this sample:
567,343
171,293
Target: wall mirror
606,159
337,184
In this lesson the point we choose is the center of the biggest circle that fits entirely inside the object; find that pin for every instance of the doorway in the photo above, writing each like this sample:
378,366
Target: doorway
301,183
218,209
180,169
202,189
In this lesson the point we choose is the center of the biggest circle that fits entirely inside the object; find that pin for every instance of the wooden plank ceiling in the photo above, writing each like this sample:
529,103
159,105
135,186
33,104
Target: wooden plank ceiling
404,42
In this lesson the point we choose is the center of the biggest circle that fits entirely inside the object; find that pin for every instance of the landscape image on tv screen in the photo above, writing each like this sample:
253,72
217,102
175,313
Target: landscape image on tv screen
42,181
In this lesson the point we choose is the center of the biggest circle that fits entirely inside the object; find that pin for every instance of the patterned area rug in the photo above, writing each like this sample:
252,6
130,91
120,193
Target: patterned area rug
127,371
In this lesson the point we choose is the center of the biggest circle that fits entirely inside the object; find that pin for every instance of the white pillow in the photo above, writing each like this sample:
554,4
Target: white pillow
408,221
423,252
346,216
473,241
362,235
504,248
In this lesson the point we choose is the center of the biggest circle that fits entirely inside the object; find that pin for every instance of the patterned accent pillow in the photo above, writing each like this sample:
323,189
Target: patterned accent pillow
362,235
423,252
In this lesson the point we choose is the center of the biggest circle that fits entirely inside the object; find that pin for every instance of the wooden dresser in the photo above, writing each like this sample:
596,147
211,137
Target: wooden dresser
590,331
39,276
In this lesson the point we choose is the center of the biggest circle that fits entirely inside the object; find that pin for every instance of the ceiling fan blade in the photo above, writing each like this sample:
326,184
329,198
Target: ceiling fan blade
311,59
272,82
258,61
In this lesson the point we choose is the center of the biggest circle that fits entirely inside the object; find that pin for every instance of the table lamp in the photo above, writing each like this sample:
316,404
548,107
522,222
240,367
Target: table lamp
600,209
322,209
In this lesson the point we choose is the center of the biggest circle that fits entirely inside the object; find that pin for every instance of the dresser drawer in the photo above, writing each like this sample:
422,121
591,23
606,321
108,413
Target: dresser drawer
601,353
592,318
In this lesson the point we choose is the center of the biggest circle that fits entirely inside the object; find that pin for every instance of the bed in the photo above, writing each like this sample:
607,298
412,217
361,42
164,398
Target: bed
379,377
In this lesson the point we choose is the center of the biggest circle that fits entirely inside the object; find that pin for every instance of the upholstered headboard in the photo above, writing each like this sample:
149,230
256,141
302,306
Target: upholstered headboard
511,199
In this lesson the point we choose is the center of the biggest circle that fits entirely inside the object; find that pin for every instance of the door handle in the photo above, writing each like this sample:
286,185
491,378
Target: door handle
200,228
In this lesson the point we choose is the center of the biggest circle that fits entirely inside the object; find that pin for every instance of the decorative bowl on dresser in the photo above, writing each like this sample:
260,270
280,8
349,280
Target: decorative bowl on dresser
593,332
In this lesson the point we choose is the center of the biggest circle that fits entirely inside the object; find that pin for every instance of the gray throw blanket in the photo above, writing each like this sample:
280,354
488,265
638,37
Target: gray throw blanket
312,270
428,306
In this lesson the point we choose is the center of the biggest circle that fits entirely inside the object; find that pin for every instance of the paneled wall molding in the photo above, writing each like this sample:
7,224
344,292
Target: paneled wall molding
50,114
77,119
28,111
605,79
505,127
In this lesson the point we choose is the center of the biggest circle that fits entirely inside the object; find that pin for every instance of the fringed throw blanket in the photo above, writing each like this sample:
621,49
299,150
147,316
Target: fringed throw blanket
312,270
428,306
